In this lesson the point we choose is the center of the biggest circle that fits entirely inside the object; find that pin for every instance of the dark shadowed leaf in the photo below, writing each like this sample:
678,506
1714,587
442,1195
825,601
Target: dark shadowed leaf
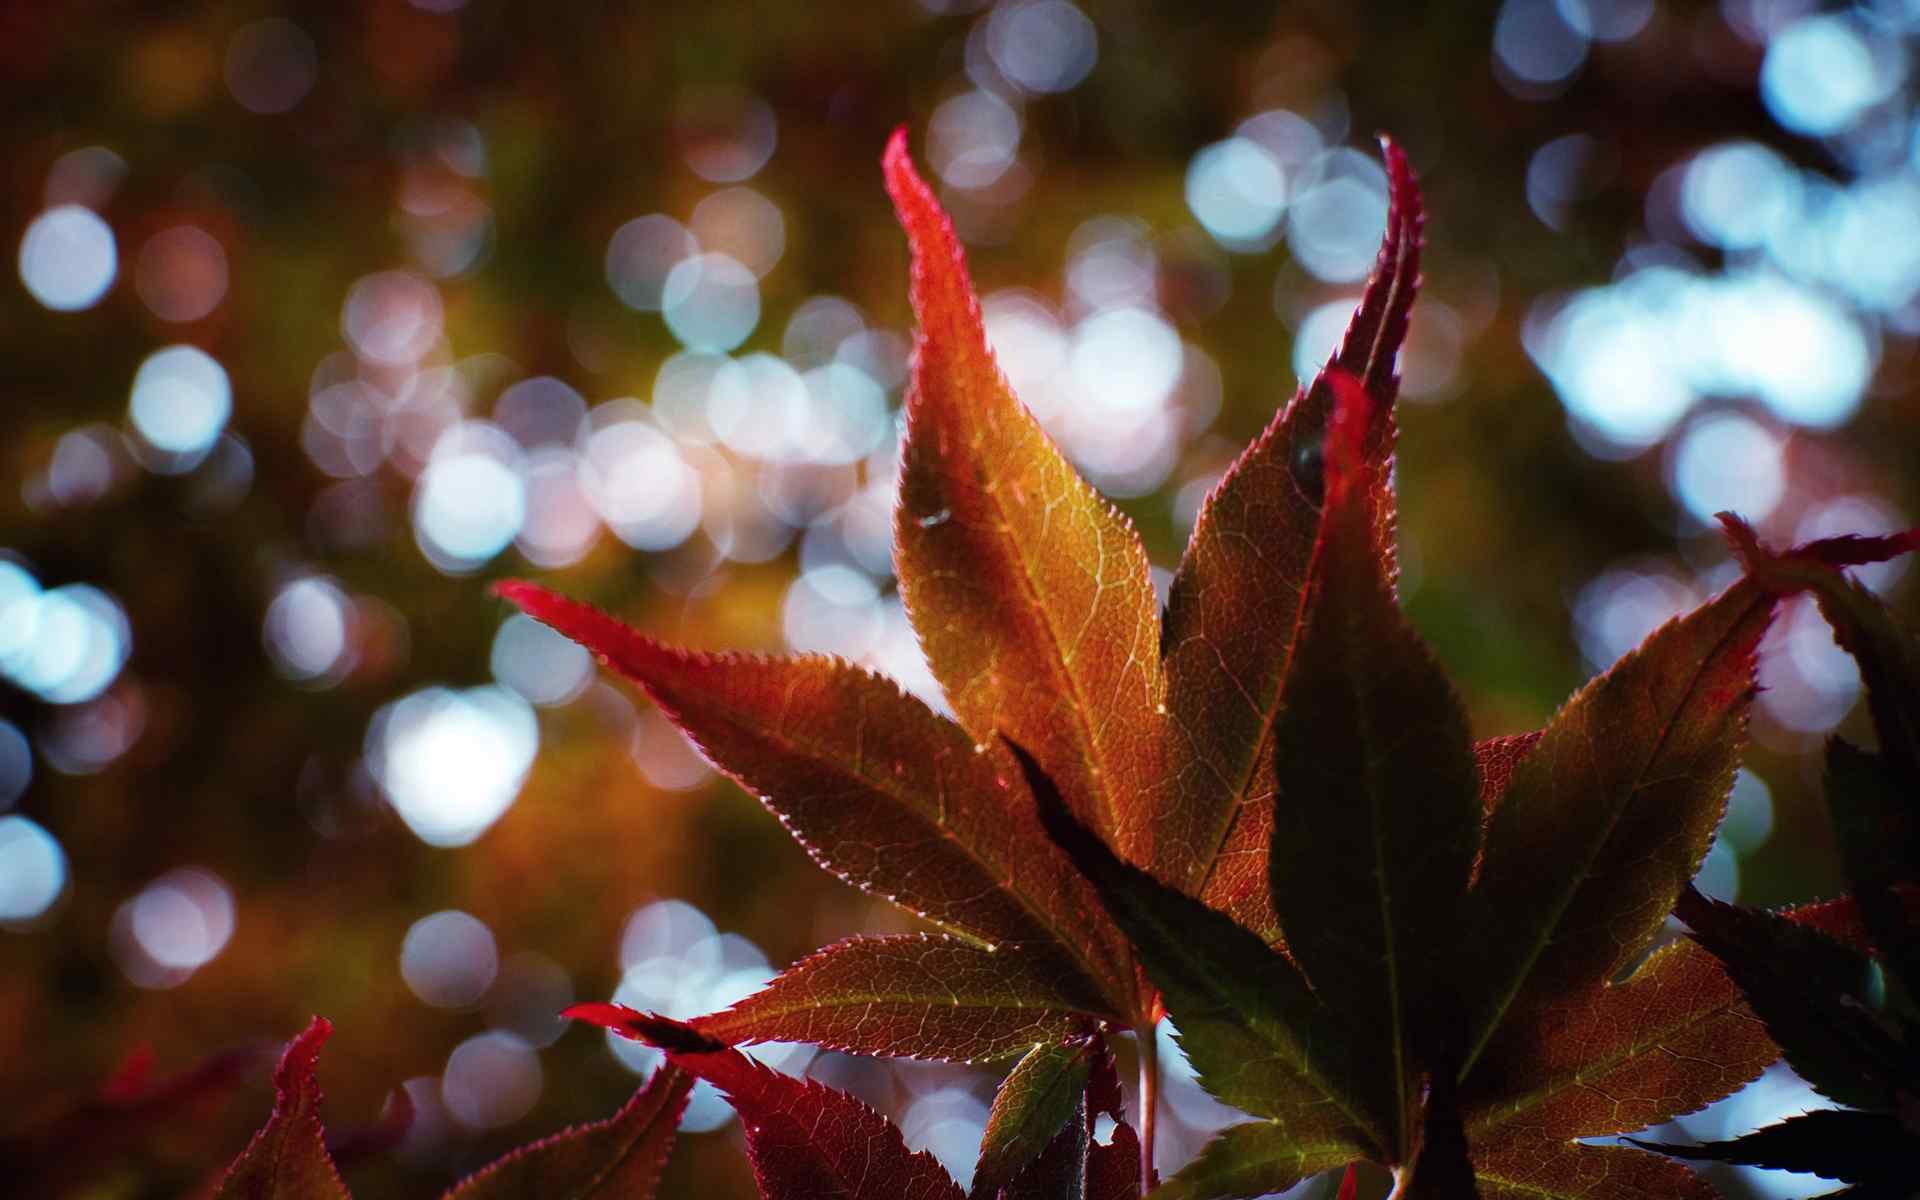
1876,1149
1440,1168
1237,598
619,1158
287,1159
1378,816
1874,798
1029,591
1819,999
1252,1029
807,1141
1040,1096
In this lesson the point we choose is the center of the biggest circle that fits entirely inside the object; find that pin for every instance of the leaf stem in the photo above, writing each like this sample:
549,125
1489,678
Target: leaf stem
1147,1037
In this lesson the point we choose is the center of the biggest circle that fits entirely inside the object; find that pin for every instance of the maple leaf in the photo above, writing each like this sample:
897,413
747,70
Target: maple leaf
292,1158
1836,986
619,1158
1384,941
288,1159
808,1141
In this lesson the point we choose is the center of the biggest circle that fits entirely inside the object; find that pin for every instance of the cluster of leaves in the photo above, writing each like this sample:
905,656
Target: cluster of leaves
1838,994
1262,816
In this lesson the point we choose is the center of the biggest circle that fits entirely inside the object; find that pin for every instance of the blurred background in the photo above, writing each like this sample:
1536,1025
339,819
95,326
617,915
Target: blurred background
320,316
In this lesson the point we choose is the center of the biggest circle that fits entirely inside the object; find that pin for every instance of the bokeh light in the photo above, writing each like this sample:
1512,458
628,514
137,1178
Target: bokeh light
271,65
16,764
173,927
181,273
66,644
308,629
640,256
710,302
540,664
67,258
491,1079
449,959
181,401
451,762
33,871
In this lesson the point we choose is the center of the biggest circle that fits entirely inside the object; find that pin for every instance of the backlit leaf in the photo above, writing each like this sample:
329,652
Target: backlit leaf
914,996
1253,1160
1557,1170
1620,795
807,1141
1040,1096
1237,599
287,1159
1673,1038
1029,591
1378,815
881,791
619,1158
1058,1169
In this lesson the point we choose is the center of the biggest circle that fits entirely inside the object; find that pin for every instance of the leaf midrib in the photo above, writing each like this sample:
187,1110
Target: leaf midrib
1000,876
1269,709
1022,422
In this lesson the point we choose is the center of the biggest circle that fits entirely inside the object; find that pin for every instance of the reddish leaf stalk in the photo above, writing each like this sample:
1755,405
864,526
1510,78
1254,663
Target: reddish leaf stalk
1149,1042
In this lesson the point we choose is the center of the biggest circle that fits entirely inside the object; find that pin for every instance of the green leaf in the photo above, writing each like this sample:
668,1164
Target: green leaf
287,1159
1876,1149
619,1158
1608,816
1236,601
1029,591
1378,816
1058,1169
1044,1091
1252,1029
914,996
1253,1160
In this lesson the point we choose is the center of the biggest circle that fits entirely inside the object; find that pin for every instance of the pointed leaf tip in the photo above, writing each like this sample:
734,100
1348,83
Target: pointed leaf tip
660,1032
287,1159
1783,572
